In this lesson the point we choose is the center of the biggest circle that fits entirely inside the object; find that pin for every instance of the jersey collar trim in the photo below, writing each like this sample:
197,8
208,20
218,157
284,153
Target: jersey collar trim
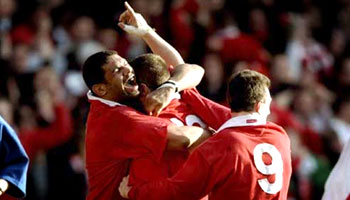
253,119
104,101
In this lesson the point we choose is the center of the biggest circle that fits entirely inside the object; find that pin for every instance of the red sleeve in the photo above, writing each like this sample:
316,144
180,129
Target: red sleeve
212,113
184,185
140,134
45,138
210,164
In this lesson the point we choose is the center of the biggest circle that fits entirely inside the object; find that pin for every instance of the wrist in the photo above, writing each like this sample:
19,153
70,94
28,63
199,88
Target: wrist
170,84
148,32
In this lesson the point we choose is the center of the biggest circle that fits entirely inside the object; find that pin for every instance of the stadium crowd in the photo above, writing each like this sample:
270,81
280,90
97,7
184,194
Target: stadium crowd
301,45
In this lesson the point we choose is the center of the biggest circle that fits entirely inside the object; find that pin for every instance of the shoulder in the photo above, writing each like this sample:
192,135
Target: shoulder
274,127
224,139
98,108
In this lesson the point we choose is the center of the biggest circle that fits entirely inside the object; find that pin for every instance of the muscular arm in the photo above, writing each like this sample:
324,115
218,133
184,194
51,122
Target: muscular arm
182,137
134,23
187,76
159,46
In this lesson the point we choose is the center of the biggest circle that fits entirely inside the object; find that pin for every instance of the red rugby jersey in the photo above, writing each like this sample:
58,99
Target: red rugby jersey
115,134
146,169
247,159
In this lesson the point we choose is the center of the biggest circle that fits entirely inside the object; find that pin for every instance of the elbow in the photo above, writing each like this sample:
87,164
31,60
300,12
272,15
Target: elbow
199,71
177,140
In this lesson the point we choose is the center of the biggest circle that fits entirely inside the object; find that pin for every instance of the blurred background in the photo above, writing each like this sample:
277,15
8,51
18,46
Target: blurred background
302,45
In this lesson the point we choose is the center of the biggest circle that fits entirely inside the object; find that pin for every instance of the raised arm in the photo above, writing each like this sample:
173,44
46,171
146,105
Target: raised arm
133,23
185,76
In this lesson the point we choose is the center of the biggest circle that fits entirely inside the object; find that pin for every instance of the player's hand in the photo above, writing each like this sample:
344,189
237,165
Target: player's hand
132,22
124,188
157,100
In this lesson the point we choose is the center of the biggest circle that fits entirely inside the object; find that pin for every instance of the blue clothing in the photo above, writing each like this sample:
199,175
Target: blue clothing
13,161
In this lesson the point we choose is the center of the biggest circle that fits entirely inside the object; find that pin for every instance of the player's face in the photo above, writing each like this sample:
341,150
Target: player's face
120,79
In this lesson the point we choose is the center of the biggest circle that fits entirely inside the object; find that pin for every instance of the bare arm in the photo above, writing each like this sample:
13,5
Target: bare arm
164,49
182,137
185,75
134,23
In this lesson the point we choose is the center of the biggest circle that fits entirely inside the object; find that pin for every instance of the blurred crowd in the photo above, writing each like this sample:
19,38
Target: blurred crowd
302,45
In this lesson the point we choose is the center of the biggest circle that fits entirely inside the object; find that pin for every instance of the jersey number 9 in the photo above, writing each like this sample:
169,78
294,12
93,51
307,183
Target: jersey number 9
276,167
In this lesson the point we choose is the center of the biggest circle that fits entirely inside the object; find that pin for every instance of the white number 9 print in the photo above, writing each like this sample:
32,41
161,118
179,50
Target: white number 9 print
276,167
190,120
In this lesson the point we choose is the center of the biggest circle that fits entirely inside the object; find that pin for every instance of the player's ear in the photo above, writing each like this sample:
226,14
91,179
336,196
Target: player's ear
258,106
99,89
171,68
144,90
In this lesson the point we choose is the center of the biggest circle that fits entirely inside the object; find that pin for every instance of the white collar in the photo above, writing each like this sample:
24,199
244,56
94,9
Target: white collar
113,104
104,101
253,119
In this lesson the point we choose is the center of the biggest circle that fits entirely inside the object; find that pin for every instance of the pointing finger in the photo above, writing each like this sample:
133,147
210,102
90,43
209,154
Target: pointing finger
129,8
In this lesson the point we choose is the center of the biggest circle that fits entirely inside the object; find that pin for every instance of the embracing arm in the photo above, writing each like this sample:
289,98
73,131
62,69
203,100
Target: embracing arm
183,137
191,182
185,76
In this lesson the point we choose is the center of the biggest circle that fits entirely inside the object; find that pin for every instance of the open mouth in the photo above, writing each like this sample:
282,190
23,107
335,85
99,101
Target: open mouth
130,85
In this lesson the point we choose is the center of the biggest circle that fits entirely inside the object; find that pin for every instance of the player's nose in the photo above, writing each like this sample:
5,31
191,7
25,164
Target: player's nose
126,70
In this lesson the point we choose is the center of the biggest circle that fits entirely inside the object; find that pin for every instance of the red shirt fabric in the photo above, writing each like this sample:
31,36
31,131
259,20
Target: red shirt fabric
212,113
226,165
115,134
145,169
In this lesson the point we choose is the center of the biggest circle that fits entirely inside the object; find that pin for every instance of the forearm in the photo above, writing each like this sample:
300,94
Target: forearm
183,137
164,49
207,133
187,76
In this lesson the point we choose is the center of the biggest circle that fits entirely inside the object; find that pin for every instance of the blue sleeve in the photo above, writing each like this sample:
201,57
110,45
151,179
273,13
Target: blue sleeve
14,161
